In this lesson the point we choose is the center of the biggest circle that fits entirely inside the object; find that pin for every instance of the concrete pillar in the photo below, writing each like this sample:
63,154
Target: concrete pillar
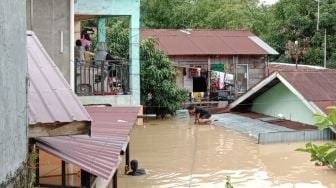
77,28
101,34
134,41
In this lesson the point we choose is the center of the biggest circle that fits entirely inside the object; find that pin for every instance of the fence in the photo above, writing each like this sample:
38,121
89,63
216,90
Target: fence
295,136
101,78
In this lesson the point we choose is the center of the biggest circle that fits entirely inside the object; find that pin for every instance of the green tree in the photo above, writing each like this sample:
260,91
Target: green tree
198,14
158,81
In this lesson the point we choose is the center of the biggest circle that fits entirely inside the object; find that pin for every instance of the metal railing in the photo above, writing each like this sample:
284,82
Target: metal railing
101,78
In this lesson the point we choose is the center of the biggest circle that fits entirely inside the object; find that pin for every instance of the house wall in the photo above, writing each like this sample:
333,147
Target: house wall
256,66
49,19
129,8
115,100
13,95
280,100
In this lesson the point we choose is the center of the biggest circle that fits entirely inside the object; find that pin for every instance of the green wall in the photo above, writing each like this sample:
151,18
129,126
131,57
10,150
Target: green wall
280,100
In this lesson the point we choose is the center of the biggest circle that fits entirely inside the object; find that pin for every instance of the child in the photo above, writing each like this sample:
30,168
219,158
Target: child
201,115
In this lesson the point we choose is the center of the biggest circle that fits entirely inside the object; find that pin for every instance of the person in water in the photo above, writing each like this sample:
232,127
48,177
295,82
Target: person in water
135,170
201,114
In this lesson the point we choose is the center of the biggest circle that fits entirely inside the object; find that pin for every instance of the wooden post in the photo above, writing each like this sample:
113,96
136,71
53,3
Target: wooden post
85,179
63,173
209,77
115,179
127,156
140,120
37,167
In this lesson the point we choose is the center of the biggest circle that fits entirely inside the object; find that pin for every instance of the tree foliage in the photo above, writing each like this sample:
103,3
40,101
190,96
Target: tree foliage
182,14
285,21
158,81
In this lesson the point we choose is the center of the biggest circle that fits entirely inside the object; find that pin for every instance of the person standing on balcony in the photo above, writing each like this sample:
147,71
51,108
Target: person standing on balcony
86,41
79,51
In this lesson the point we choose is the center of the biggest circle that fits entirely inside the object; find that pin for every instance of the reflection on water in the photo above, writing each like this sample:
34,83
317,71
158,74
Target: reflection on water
176,153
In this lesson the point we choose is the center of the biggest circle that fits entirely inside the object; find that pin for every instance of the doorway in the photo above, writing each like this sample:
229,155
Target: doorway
241,78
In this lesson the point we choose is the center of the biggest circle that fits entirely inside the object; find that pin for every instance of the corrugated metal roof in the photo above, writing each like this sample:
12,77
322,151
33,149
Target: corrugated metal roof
98,154
273,66
317,86
207,42
50,98
265,46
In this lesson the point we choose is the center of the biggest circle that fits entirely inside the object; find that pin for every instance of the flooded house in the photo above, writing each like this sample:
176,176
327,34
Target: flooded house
58,25
290,98
63,132
86,146
234,60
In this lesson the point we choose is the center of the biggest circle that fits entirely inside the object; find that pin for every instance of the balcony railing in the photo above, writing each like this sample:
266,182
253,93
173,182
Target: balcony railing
101,78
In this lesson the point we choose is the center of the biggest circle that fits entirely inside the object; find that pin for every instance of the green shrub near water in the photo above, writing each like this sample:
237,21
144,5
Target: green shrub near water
324,155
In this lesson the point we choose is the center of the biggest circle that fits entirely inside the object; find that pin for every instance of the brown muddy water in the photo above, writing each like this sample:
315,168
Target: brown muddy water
176,153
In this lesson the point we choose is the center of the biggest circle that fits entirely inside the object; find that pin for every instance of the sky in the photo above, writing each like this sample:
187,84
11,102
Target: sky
269,2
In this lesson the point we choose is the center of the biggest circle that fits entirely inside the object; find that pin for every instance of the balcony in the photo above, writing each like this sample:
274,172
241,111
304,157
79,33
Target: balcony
102,78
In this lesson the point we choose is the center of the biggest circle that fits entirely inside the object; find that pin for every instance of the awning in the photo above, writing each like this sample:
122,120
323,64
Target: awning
98,154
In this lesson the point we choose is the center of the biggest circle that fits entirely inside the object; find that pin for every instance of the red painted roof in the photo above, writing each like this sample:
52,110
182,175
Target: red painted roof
98,153
50,98
205,42
317,86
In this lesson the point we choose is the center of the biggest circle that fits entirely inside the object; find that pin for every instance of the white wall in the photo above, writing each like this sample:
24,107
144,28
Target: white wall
13,72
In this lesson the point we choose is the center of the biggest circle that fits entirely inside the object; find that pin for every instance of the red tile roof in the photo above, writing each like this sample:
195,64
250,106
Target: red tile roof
205,42
50,97
98,154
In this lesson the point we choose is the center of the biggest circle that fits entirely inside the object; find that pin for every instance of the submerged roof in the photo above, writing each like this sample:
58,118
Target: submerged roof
315,88
50,98
100,153
208,42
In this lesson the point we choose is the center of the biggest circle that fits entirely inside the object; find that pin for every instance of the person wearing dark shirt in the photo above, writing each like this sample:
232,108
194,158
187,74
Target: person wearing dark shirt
201,114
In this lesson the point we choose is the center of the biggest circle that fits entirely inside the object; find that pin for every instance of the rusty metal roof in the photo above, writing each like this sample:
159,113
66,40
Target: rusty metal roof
272,67
98,153
317,86
207,42
50,98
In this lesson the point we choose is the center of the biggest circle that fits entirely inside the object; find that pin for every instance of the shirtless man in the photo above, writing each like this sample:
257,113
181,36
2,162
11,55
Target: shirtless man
201,115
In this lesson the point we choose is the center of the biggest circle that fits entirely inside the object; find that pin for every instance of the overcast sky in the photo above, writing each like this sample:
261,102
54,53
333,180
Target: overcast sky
269,2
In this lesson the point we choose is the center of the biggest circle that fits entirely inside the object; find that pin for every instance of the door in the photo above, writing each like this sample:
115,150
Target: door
241,78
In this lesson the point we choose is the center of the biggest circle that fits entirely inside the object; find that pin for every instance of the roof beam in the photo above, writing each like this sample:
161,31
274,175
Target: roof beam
59,129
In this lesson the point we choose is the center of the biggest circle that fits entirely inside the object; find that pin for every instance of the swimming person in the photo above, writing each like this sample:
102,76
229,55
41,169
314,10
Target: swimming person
135,170
201,114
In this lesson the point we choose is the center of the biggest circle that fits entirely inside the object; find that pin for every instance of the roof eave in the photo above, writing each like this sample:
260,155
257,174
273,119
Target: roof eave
253,90
310,105
59,129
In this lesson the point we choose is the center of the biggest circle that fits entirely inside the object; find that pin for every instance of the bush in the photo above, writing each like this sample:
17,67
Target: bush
324,155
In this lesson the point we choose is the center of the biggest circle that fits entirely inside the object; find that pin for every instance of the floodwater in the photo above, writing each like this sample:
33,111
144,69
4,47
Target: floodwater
176,153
